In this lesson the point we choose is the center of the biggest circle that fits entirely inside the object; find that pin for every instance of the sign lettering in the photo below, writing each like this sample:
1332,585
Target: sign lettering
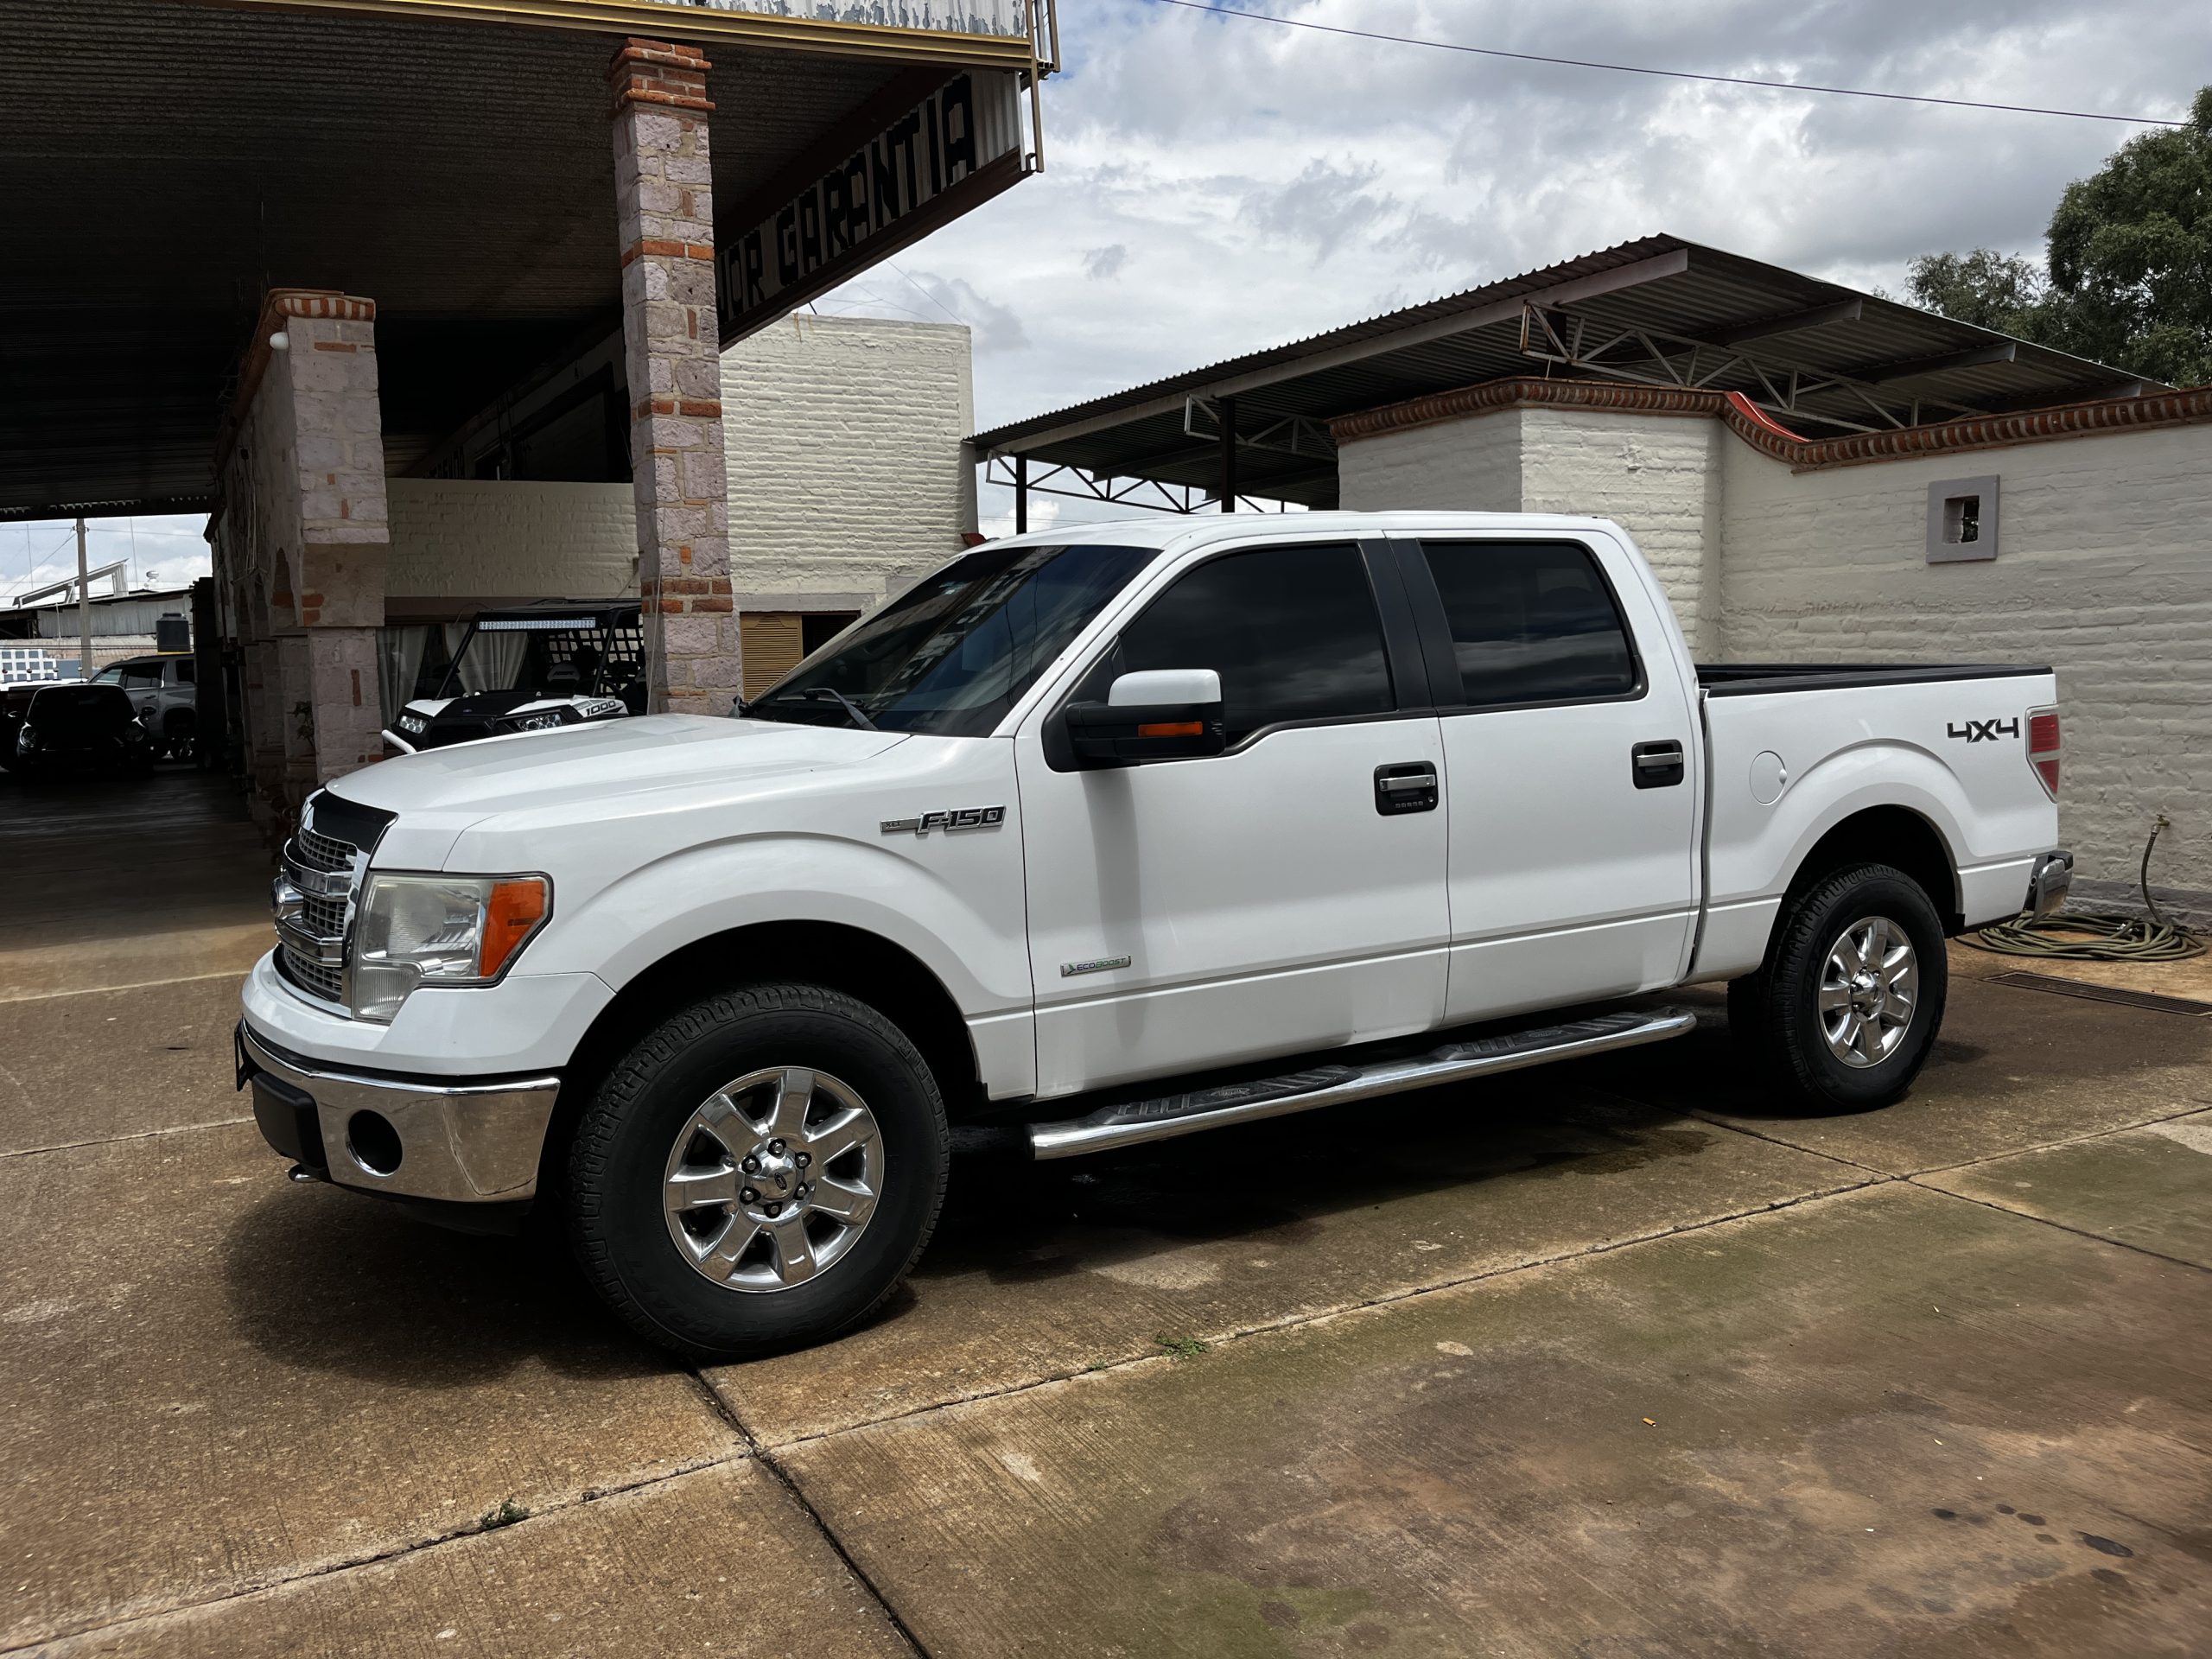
821,236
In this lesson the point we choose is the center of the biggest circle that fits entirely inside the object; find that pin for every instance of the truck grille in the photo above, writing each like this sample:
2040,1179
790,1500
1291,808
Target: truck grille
321,852
312,977
313,927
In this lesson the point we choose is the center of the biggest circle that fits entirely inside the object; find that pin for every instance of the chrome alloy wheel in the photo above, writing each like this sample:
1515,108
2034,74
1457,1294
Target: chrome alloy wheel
774,1179
1870,986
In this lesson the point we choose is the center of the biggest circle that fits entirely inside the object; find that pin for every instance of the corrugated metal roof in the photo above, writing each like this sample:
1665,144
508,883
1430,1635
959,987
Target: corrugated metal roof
1661,285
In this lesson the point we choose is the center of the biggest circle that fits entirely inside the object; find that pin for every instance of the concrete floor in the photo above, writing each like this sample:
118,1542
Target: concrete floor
1615,1359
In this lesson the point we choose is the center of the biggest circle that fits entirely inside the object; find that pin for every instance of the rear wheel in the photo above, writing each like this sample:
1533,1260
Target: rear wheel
759,1173
1846,1009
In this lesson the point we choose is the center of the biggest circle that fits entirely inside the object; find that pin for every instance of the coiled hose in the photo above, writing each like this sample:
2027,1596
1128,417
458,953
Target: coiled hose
2095,936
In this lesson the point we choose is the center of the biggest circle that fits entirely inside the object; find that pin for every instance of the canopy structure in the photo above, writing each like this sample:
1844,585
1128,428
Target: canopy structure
1819,359
170,163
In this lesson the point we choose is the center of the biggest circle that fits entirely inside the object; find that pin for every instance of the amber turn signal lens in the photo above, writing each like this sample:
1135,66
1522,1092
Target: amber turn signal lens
1174,728
516,909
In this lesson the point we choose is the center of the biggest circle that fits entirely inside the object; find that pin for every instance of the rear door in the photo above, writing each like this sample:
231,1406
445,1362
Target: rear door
1284,896
1570,754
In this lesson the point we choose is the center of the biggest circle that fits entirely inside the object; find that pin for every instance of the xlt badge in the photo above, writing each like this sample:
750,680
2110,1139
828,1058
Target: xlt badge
961,817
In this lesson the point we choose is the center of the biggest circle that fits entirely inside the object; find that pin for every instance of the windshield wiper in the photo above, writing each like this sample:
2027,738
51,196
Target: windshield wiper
854,712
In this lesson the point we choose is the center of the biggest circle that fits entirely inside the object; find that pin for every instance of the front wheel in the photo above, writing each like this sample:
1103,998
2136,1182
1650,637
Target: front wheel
759,1172
1844,1012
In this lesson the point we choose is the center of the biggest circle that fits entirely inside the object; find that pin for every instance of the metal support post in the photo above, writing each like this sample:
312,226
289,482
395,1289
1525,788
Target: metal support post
84,610
1228,407
1021,495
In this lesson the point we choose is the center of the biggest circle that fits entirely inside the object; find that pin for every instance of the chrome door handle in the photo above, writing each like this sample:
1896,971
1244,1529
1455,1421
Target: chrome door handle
1409,786
1656,765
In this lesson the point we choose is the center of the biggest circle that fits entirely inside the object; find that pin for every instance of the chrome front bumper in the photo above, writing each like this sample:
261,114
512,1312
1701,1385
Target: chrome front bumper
2049,885
457,1142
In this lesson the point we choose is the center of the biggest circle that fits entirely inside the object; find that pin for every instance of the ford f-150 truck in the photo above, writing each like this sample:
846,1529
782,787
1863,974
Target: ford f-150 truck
1104,836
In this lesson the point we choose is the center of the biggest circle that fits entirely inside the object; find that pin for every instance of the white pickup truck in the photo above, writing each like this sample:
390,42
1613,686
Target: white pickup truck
1104,836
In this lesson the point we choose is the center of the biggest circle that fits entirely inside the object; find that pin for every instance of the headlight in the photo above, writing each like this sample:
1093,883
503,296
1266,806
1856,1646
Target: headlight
413,725
444,929
544,723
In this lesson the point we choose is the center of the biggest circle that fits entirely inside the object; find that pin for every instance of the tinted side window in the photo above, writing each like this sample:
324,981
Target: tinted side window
1293,631
1531,622
182,667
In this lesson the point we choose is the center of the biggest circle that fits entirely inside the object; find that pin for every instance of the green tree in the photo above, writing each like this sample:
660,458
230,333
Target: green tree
1985,287
2130,255
2129,277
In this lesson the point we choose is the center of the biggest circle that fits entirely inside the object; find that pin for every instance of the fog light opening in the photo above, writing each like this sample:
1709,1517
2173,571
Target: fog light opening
373,1142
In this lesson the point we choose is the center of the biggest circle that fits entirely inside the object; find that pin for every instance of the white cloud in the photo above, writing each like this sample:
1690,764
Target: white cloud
1264,183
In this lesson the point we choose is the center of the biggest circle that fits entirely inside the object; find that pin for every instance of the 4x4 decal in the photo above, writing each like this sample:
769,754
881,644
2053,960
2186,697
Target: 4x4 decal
1983,731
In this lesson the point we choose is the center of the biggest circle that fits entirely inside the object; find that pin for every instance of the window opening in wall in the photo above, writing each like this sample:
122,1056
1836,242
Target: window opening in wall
1963,519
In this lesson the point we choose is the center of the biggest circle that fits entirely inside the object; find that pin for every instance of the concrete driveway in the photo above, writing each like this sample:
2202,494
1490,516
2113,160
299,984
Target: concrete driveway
1613,1359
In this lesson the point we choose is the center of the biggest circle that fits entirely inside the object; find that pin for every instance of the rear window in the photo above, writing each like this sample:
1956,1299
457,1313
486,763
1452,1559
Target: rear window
1532,622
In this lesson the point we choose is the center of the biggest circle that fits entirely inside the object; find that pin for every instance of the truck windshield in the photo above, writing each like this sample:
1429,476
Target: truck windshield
953,654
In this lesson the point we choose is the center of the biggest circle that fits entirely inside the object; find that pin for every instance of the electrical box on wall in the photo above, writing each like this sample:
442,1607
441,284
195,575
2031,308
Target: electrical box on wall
1962,520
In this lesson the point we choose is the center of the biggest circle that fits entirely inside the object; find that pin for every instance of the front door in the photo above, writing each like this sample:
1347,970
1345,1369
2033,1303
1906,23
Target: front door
1573,854
1285,895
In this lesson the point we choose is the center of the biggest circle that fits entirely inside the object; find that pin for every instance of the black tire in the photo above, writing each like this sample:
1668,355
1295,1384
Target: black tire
624,1141
1783,1029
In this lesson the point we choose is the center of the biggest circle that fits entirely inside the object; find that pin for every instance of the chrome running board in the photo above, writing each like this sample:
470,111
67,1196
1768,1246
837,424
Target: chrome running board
1138,1121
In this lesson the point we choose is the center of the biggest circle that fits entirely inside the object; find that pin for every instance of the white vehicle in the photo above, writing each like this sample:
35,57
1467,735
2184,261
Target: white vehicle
1106,836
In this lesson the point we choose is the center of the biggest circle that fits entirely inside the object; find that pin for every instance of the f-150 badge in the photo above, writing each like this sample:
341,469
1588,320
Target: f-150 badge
961,817
1983,731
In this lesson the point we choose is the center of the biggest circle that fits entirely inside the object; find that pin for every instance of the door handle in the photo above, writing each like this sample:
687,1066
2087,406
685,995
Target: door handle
1656,765
1409,787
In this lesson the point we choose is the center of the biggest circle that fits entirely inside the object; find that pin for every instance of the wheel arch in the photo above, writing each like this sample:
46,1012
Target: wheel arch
865,966
1891,834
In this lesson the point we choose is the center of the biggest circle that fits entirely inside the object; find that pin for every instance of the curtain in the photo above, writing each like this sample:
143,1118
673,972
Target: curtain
399,660
492,658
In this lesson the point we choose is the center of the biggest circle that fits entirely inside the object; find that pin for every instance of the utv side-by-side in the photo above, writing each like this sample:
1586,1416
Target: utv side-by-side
535,668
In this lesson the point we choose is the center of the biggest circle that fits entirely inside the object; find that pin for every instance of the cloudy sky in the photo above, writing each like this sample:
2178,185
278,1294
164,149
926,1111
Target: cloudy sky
1217,184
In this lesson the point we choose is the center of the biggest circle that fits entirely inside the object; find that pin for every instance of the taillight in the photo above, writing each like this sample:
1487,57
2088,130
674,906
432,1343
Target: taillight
2043,748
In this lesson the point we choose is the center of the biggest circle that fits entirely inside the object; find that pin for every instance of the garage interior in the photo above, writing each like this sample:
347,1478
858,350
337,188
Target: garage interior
431,195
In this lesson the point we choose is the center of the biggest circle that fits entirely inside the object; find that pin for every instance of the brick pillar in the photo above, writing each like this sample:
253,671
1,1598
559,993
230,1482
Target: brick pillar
672,354
304,514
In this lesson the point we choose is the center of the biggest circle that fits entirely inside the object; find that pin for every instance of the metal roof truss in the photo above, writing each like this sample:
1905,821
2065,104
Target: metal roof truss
1568,339
1078,484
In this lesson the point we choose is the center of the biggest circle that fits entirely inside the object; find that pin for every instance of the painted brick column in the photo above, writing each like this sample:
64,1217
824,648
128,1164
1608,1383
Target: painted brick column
673,352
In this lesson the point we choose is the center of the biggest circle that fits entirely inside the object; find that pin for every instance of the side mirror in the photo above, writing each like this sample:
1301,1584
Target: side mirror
1163,714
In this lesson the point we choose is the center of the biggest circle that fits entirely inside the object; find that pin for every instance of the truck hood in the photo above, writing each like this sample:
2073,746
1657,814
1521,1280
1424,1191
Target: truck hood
589,763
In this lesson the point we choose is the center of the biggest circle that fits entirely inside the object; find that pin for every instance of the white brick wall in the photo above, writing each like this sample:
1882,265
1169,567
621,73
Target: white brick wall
1465,466
846,475
481,539
2104,571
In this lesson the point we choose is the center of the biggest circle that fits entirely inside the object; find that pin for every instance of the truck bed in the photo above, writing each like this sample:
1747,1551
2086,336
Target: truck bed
1945,742
1749,679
